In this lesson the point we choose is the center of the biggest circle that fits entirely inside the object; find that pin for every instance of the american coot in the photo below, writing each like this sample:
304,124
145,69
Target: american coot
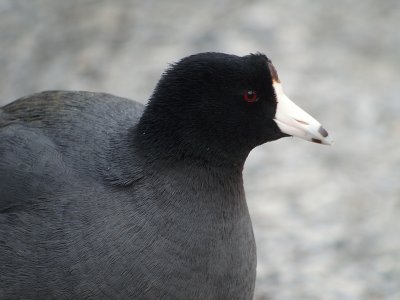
103,198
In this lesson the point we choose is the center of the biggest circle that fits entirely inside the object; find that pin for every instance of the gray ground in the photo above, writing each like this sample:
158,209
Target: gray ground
326,218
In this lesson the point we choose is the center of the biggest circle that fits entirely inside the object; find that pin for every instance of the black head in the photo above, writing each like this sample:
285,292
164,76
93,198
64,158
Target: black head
213,105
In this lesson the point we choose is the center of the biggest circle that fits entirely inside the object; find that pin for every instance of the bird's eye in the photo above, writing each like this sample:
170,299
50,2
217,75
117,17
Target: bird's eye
250,96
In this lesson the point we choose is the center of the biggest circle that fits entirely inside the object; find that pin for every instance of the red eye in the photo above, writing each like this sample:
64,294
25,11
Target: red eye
250,96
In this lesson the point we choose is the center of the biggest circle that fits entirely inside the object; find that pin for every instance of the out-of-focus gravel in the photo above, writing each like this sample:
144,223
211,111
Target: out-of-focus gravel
326,219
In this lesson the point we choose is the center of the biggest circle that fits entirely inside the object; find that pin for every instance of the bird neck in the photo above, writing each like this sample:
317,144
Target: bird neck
171,140
142,150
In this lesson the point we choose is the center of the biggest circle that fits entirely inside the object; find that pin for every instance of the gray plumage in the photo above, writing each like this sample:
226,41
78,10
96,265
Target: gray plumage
99,200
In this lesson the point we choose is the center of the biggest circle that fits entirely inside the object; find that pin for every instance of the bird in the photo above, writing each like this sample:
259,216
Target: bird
102,197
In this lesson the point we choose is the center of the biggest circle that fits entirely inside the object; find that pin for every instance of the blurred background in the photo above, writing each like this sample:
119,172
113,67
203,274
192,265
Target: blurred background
326,219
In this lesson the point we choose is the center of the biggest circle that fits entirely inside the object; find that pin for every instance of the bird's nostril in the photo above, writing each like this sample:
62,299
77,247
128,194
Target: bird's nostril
302,122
